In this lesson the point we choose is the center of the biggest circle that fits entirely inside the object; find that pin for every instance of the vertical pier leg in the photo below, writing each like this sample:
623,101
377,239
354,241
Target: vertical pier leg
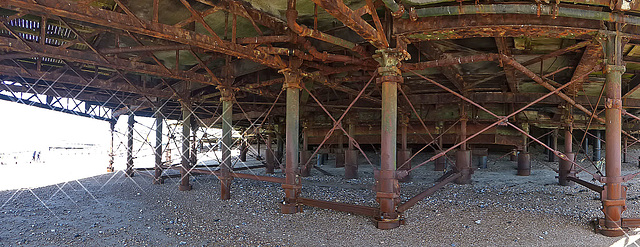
463,156
626,148
227,131
305,155
270,157
185,152
112,125
514,155
157,175
351,155
440,163
292,184
279,144
524,159
566,167
404,153
243,150
130,122
586,145
339,152
597,146
388,189
548,142
258,141
524,164
554,145
614,194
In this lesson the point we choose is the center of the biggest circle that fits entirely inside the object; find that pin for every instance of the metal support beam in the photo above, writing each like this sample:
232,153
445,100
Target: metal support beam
509,72
112,19
305,154
130,122
292,184
440,163
586,145
567,168
524,158
157,176
279,143
185,168
388,190
227,118
463,156
614,194
626,148
351,155
350,19
243,150
452,72
524,164
597,146
112,125
270,156
554,145
339,152
404,154
590,58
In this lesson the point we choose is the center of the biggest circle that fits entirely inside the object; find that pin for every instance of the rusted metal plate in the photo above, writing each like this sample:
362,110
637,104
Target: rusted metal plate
508,25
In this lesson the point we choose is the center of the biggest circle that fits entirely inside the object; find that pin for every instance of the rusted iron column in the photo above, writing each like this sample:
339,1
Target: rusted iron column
157,176
441,162
626,148
279,142
388,189
614,194
482,154
185,152
244,148
554,145
524,158
548,142
193,155
513,156
404,153
597,146
351,155
258,137
112,125
339,152
270,158
566,167
463,156
226,97
305,154
130,122
292,185
586,144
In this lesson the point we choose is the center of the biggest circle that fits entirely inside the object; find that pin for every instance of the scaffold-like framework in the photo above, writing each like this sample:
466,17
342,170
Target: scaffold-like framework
457,78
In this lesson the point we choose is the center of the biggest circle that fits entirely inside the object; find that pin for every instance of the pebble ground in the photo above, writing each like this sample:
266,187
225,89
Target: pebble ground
498,209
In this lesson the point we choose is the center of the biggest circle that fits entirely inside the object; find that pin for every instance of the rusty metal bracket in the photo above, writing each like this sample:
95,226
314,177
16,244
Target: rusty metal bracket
620,179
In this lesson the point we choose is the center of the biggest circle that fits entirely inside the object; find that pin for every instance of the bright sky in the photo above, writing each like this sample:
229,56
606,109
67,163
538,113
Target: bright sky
26,127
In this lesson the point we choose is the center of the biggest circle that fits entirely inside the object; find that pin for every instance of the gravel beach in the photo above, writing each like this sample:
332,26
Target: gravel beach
498,209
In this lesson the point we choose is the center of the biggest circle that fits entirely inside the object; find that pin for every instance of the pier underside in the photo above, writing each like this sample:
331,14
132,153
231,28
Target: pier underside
289,82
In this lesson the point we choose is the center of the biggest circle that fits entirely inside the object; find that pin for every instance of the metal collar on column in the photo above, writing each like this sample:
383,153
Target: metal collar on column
226,93
404,119
292,78
389,59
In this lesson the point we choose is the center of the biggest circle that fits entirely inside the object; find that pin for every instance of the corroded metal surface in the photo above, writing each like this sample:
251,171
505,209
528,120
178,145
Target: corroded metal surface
476,75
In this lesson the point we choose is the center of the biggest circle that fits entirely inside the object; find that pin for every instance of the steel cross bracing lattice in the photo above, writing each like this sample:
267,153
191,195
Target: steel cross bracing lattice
178,62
